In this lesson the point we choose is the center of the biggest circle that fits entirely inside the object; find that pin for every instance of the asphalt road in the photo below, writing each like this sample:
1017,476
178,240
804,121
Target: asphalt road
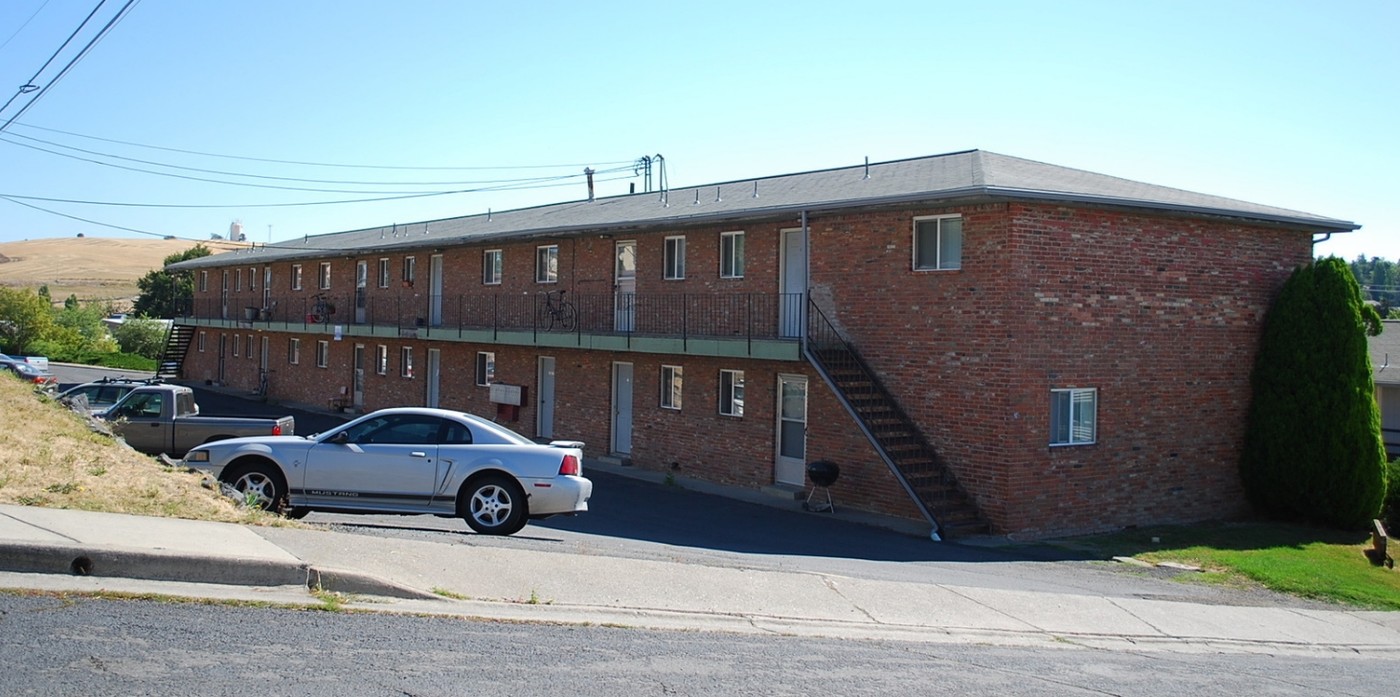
86,646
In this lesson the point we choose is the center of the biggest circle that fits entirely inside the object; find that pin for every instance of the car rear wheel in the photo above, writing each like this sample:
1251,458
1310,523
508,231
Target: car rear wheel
260,485
495,505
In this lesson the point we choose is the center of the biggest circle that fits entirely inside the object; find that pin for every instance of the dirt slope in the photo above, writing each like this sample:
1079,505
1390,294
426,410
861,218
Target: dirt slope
93,268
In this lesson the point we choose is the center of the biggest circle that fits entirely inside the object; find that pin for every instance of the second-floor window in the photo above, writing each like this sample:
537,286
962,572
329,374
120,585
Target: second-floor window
238,280
938,243
731,255
547,264
323,278
252,279
410,270
296,276
203,281
383,273
491,266
674,259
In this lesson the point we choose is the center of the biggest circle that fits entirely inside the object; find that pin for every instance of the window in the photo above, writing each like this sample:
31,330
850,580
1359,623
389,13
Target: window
731,255
1073,419
547,264
381,360
238,280
383,273
406,361
938,243
252,279
294,351
491,266
203,281
674,259
485,368
323,279
323,354
671,387
410,270
201,342
250,348
731,392
237,342
296,276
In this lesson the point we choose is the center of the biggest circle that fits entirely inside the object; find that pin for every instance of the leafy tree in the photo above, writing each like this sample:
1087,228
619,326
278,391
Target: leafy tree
25,317
143,337
161,290
1380,281
82,328
1313,448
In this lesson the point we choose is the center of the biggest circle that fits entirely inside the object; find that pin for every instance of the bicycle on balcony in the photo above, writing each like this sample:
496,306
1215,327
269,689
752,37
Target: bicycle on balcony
557,312
321,309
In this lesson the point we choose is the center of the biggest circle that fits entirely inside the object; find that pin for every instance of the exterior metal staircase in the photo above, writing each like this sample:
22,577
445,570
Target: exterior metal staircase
177,343
894,435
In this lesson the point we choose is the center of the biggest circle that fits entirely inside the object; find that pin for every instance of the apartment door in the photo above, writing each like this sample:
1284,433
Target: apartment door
361,283
544,417
625,287
622,409
792,282
791,464
434,379
358,396
435,290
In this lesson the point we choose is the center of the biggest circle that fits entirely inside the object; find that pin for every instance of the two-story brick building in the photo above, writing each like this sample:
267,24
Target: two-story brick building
982,340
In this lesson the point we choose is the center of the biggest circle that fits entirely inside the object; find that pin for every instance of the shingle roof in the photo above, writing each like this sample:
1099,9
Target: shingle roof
972,174
1385,349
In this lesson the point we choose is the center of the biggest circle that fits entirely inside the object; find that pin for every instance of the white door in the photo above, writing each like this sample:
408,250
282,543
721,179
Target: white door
361,283
544,418
791,467
434,378
792,280
358,397
435,286
625,287
622,409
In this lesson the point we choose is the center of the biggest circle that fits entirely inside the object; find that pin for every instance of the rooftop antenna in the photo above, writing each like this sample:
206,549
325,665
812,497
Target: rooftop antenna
867,167
588,172
755,188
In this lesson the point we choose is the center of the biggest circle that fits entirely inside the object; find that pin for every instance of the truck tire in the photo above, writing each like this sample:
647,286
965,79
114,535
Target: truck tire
260,484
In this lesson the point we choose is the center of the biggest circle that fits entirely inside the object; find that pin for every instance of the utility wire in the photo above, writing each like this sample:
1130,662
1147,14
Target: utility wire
316,164
42,5
28,86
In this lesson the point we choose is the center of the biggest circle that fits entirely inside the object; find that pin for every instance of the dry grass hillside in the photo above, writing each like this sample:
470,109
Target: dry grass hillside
92,268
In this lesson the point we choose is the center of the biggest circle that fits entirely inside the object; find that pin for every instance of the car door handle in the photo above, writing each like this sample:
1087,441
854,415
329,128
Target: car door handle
418,453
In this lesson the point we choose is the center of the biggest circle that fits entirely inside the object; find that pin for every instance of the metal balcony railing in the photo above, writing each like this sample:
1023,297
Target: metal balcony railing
682,315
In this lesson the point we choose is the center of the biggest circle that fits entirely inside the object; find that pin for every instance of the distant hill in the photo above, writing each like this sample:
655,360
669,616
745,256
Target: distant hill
92,268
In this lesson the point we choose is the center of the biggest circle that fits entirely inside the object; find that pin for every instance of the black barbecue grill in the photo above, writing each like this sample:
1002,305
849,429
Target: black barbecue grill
823,474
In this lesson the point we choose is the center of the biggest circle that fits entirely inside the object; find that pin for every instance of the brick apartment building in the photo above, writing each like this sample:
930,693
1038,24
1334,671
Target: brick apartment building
986,342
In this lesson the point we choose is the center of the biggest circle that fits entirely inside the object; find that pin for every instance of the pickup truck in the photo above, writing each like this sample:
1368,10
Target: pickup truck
163,418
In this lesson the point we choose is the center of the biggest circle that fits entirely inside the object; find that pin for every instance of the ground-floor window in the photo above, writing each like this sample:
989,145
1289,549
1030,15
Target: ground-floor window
323,354
671,386
294,351
1073,416
731,392
237,342
381,360
201,342
485,368
406,362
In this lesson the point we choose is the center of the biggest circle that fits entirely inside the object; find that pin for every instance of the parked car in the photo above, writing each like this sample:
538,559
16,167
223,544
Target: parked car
161,418
29,372
407,460
101,394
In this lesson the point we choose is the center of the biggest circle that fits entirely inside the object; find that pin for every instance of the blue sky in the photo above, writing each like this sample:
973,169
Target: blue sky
1292,104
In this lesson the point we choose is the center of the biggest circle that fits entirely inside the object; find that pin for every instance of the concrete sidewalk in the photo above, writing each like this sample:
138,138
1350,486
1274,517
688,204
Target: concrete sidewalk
77,551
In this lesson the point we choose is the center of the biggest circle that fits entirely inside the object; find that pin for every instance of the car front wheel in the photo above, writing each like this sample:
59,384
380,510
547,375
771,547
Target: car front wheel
495,505
259,485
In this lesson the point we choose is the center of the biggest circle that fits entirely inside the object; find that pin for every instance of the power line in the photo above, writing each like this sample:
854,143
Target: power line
28,86
42,5
317,164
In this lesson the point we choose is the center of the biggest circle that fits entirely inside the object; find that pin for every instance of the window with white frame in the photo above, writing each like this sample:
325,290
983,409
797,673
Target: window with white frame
296,276
674,259
731,255
406,361
485,368
731,392
323,354
547,264
201,342
203,281
491,266
381,360
671,386
1074,416
938,243
294,351
238,280
251,355
410,270
384,273
323,279
237,342
252,279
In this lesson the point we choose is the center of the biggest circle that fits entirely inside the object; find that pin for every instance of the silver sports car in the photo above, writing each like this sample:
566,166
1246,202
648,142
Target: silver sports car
407,460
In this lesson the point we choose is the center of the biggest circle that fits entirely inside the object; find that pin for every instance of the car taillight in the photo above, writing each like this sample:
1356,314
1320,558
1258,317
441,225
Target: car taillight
277,429
569,466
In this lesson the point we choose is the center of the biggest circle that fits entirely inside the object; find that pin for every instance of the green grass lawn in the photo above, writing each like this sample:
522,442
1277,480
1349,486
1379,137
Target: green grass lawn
1304,561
